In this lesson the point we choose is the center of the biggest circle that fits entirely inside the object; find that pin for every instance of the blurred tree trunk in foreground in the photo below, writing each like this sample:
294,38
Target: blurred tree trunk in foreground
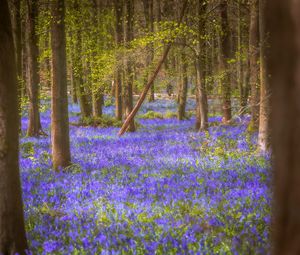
283,23
12,230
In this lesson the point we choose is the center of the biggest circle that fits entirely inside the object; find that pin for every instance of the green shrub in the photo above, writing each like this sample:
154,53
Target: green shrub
103,121
108,102
27,149
151,115
170,115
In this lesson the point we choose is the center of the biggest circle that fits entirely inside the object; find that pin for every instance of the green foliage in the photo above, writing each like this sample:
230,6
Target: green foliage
109,102
170,115
151,115
27,149
104,121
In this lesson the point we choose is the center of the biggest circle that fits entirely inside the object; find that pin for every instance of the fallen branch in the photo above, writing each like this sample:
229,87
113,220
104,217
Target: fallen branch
150,81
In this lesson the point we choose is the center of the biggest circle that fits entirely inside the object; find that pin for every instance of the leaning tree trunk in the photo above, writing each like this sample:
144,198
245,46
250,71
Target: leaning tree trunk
265,90
224,56
151,80
59,98
253,61
12,230
284,67
33,79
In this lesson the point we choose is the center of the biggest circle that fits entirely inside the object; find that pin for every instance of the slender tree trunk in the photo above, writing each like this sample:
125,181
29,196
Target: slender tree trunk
59,99
16,20
118,76
148,13
85,106
283,24
151,48
202,107
183,86
129,69
33,79
24,58
224,56
48,62
253,58
265,90
240,78
97,95
72,81
12,229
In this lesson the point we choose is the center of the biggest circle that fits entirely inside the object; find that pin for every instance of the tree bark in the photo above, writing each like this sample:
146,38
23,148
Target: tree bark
85,106
183,85
149,17
265,90
201,97
59,99
118,76
129,69
33,79
16,20
239,60
97,94
12,230
253,61
283,64
224,56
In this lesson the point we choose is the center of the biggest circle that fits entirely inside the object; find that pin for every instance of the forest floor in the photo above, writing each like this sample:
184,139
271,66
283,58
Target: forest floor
164,189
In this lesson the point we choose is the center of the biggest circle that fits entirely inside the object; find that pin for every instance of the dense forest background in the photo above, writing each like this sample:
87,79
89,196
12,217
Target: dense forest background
112,49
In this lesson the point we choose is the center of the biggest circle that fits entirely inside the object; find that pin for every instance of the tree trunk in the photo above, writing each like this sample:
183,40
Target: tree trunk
202,106
224,56
129,69
59,99
240,71
253,61
85,106
16,20
283,23
12,230
48,61
118,76
33,79
150,81
97,94
183,85
72,78
148,13
265,90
